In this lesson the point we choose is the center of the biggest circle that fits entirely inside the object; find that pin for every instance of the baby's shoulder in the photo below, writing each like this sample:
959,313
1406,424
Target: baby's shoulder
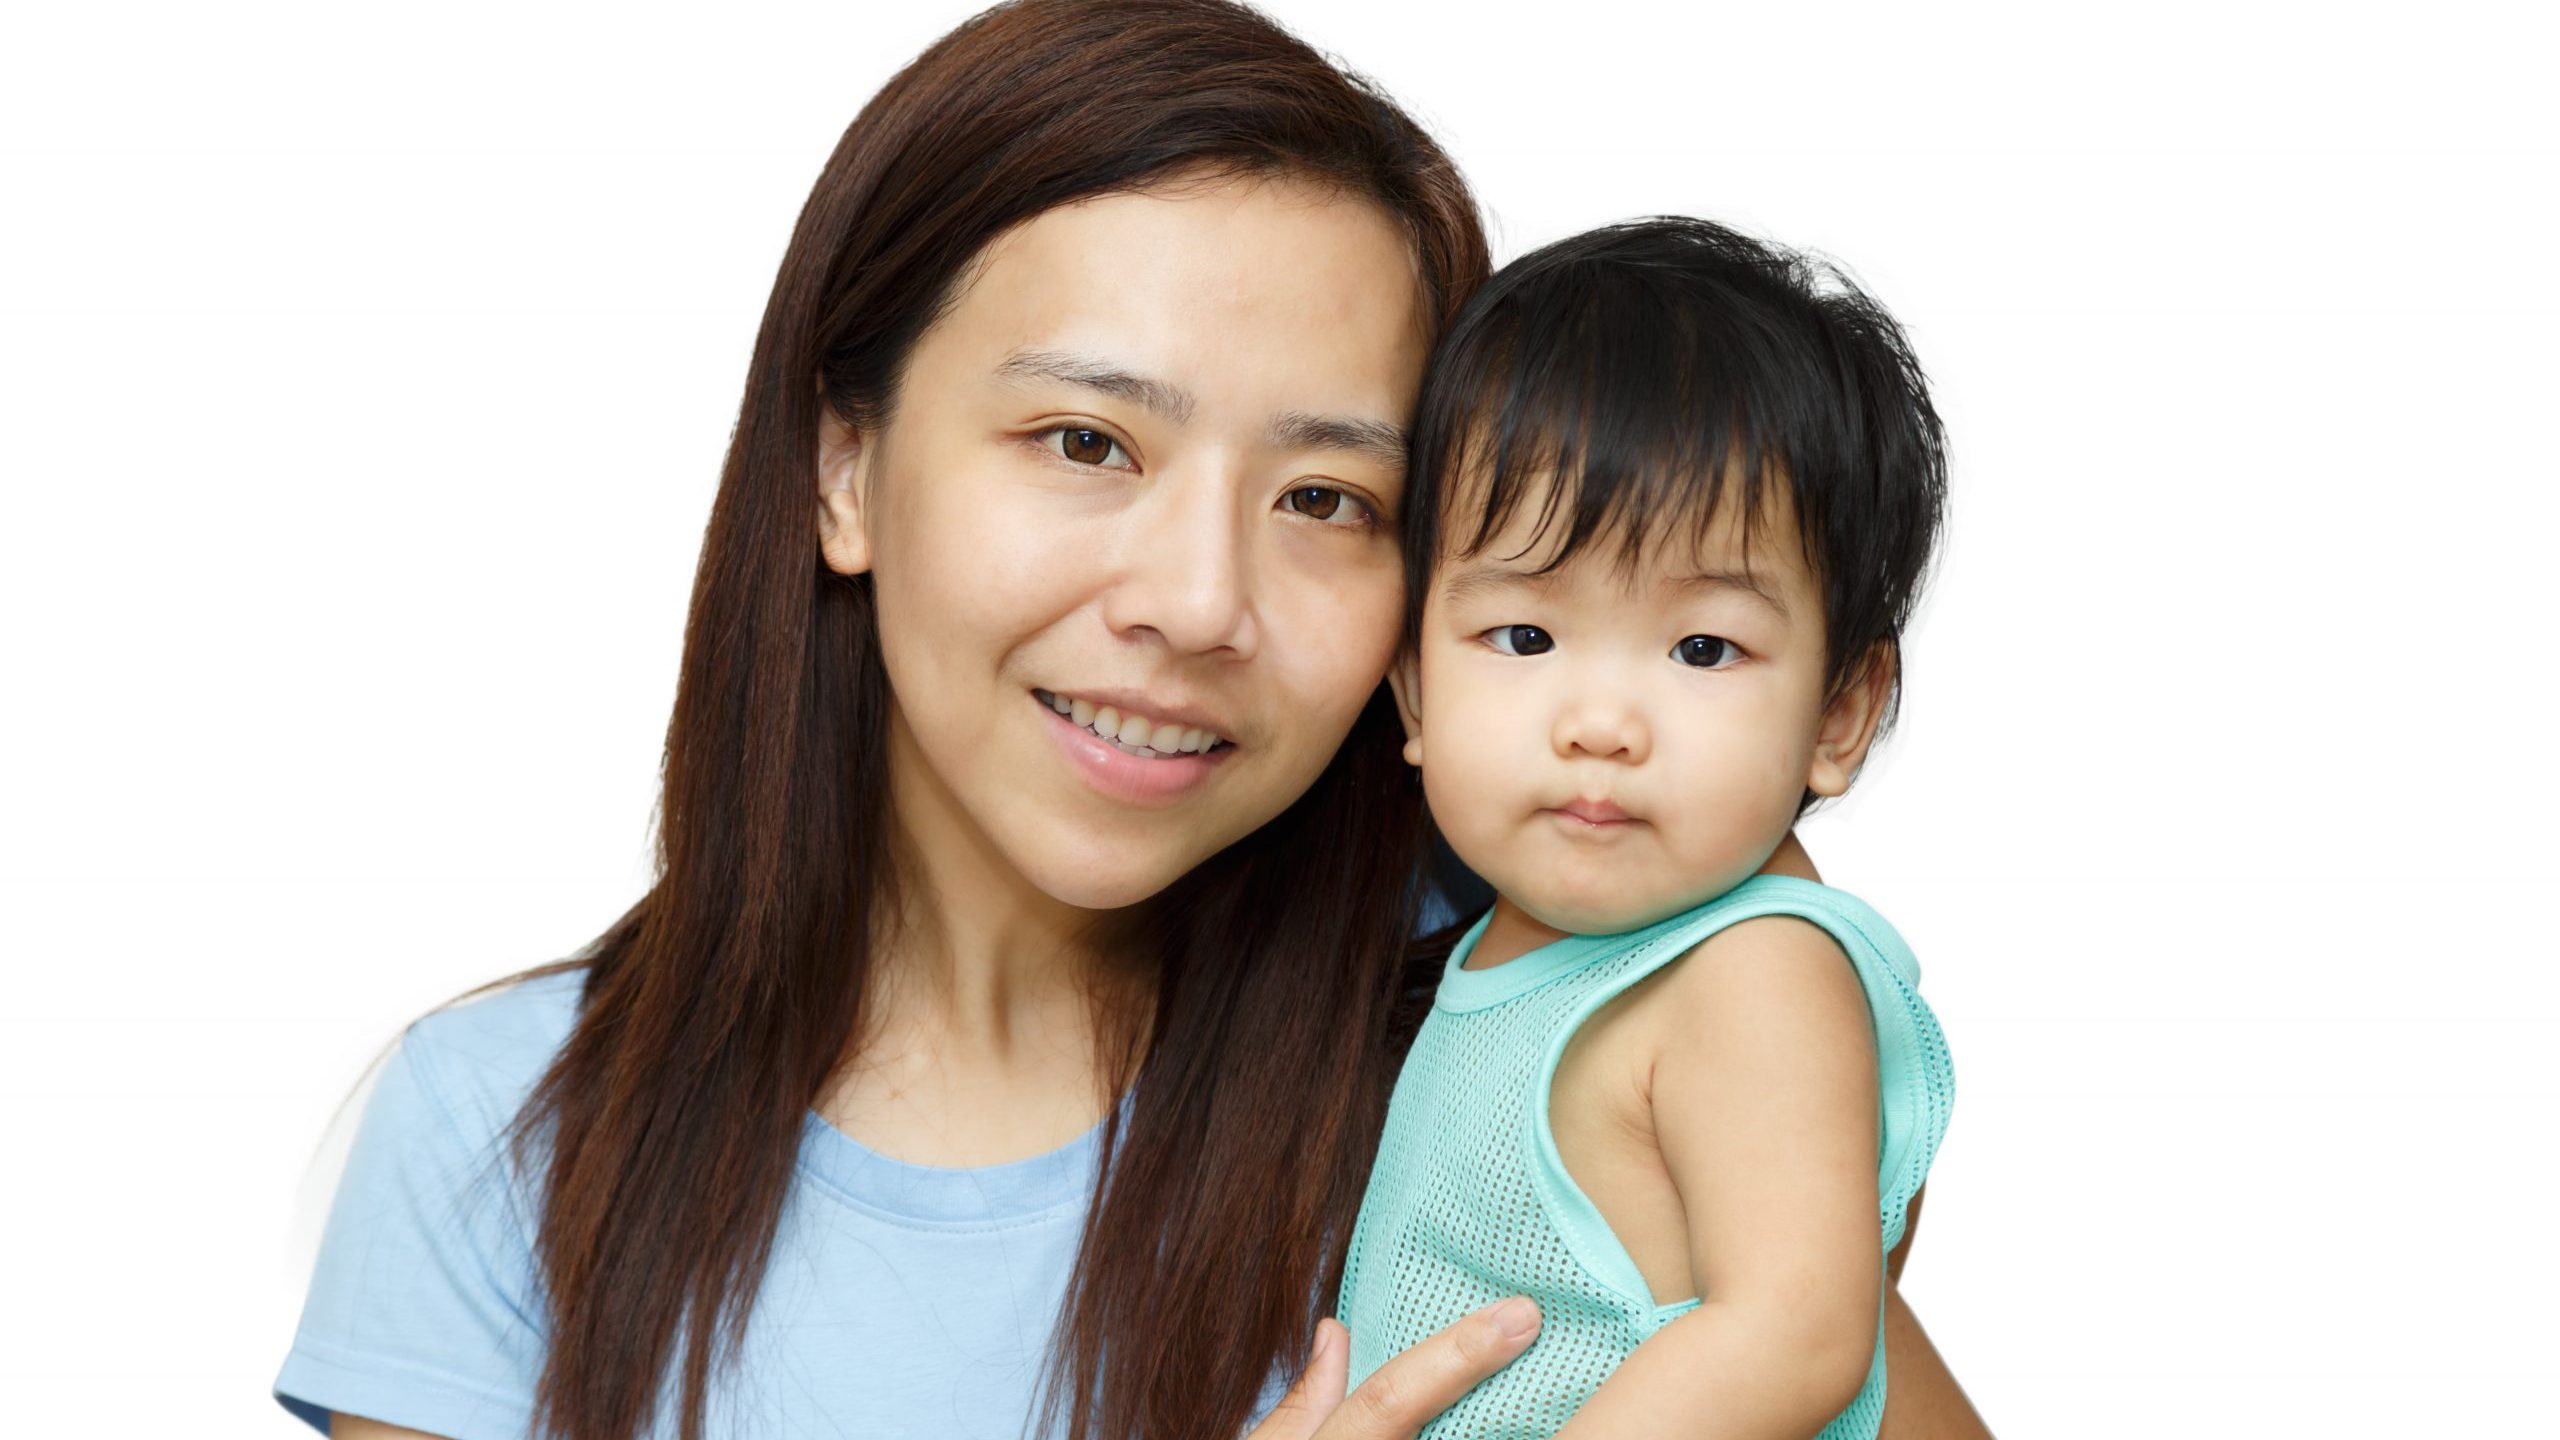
1763,1012
1786,941
1780,959
1730,982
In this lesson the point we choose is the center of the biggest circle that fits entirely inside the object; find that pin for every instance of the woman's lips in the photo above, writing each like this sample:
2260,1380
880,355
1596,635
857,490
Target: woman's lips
1122,774
1153,730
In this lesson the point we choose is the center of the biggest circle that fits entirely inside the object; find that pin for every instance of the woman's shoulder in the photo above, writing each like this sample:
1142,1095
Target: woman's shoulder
423,1308
480,1056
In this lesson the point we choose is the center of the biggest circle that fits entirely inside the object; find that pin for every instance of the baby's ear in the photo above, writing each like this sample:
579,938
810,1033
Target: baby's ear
1405,679
1849,725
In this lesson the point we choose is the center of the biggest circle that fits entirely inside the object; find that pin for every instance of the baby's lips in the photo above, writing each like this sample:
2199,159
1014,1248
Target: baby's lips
1595,812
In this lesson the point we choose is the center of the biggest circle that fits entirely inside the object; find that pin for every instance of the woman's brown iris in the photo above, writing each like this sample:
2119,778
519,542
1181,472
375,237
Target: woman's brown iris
1316,502
1087,447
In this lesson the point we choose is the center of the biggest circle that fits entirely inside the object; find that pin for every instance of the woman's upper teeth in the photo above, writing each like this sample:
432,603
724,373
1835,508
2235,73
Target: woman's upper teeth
1131,728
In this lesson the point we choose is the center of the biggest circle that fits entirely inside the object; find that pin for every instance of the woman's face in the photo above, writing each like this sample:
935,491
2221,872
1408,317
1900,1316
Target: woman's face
1144,471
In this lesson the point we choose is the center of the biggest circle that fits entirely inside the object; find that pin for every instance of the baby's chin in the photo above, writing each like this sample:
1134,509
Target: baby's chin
1607,915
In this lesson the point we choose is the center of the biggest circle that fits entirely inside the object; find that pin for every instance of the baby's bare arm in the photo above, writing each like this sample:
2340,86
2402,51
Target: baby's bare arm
1922,1400
1763,1102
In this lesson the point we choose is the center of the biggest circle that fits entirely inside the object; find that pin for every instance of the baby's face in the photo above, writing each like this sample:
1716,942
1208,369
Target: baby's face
1609,746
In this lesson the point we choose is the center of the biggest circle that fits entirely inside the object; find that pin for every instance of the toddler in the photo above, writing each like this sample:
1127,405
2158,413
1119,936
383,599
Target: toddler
1675,490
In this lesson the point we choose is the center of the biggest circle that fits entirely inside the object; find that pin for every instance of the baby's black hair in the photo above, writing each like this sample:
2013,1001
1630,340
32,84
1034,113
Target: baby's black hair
1625,373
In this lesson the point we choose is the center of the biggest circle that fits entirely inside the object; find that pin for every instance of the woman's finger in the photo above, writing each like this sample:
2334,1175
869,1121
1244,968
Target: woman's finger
1411,1390
1318,1390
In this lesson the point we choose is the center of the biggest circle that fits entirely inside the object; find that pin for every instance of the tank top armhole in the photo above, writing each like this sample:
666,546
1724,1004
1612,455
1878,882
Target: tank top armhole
1568,1208
1914,1081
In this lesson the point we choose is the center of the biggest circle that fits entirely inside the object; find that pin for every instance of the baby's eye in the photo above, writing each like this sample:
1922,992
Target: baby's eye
1085,445
1519,639
1324,502
1705,651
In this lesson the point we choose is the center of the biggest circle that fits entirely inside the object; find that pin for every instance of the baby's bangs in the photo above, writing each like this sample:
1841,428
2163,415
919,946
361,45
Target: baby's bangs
1600,406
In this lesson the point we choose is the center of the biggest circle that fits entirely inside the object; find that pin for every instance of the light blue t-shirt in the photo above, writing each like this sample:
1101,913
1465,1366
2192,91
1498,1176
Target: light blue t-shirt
900,1299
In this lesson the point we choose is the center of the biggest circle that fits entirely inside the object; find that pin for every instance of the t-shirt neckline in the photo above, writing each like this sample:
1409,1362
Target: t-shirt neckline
966,1197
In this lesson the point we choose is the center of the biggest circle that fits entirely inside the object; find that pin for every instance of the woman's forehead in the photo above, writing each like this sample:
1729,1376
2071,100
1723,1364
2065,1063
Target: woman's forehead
1251,293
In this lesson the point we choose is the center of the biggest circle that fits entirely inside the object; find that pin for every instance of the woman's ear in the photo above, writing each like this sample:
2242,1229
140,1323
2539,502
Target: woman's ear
844,485
1849,725
1405,679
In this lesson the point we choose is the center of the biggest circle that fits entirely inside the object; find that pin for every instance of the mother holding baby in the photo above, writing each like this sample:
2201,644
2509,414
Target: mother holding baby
1007,1033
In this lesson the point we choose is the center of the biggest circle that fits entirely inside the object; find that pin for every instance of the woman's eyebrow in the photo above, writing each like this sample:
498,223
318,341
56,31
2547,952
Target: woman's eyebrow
1169,401
1376,439
1290,430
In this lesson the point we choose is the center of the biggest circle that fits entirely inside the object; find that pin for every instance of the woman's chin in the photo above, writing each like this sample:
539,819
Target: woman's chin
1090,883
1114,859
1107,893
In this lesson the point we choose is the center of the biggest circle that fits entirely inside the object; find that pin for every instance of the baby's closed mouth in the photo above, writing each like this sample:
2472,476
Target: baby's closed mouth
1595,812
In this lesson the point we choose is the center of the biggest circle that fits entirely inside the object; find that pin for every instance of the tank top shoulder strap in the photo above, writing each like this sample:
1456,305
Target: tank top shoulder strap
1885,965
1915,1076
1916,1083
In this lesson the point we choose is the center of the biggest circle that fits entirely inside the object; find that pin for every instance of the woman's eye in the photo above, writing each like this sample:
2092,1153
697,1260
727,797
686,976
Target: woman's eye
1323,502
1707,652
1086,446
1520,639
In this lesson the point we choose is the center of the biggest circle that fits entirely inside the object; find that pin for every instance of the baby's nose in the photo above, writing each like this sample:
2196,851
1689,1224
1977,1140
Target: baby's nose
1602,729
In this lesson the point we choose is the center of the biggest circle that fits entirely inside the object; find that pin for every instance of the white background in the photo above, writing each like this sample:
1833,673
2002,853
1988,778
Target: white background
364,377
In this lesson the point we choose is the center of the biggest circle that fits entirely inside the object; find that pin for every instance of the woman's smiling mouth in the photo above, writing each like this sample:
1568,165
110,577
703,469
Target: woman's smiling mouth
1135,774
1133,732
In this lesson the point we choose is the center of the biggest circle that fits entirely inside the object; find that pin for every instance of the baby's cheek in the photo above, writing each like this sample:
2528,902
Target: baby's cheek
1730,820
1468,802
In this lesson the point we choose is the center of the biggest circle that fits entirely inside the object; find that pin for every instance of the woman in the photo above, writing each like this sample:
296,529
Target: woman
1076,409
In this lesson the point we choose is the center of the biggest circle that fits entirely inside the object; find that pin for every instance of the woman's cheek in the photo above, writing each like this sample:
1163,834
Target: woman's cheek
1334,631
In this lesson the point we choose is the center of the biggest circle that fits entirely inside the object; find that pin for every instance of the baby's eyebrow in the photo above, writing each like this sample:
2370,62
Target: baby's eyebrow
1475,580
1735,581
1478,580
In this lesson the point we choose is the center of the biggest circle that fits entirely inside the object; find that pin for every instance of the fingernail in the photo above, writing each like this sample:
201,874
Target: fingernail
1516,1319
1324,1344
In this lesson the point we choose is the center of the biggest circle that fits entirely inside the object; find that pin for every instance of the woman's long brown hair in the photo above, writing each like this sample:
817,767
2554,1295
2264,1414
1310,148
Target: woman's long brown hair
715,1011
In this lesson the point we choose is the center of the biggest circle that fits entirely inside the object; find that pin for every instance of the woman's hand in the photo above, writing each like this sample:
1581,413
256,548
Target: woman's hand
1406,1393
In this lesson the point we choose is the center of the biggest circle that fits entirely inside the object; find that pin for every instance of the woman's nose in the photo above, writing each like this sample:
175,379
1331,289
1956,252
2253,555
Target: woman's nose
1602,727
1187,571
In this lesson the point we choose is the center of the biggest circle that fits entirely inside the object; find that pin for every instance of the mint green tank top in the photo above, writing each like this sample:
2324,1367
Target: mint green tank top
1469,1202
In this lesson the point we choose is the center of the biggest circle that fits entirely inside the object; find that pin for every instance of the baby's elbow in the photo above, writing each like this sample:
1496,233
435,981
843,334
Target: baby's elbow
1813,1358
1835,1369
1818,1346
1834,1357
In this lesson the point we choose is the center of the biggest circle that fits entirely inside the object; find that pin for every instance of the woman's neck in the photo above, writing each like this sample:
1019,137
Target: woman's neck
983,1021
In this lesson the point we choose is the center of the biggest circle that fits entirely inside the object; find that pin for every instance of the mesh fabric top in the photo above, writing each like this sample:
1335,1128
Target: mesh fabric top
1469,1202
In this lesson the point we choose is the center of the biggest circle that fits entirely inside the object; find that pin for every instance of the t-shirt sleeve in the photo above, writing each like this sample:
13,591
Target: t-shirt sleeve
422,1308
